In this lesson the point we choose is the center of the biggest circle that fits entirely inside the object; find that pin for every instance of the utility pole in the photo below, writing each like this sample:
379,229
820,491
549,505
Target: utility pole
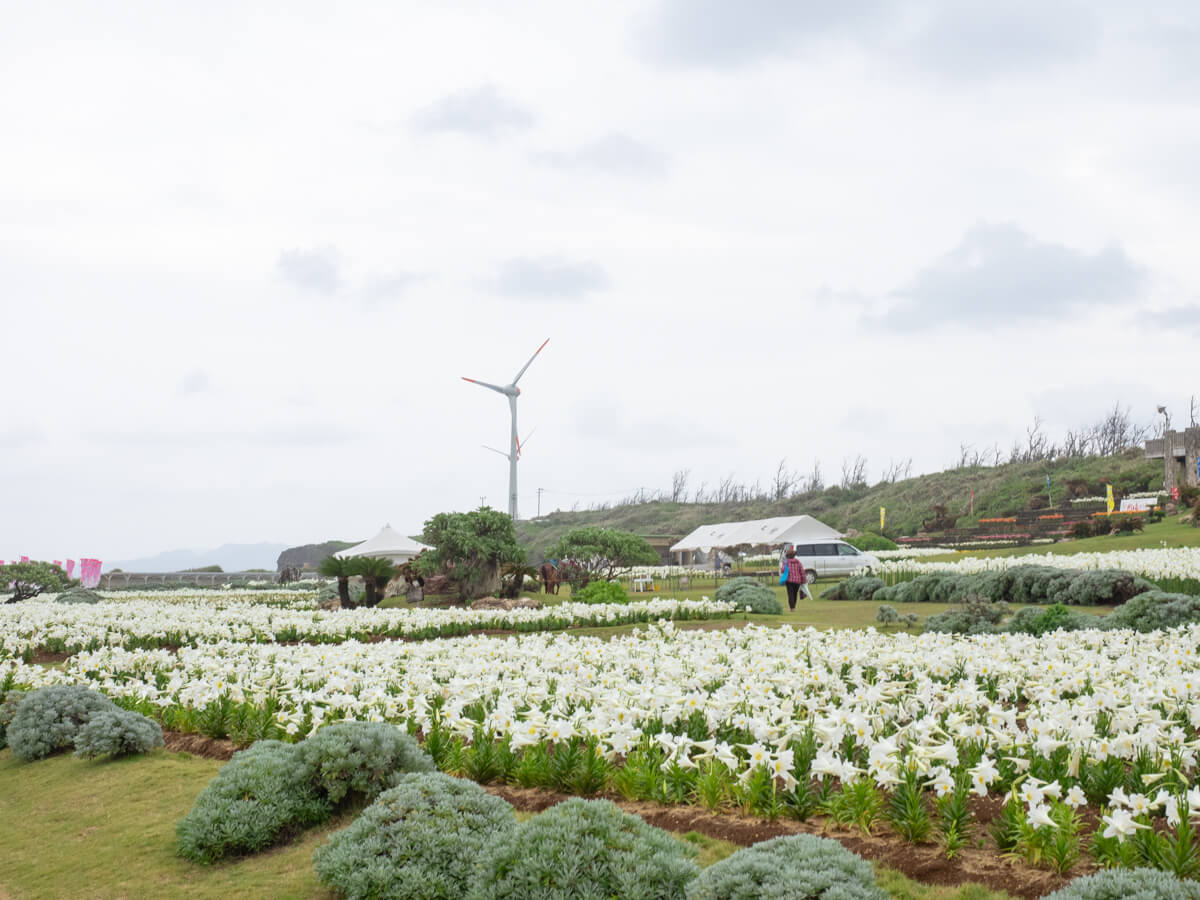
481,504
540,502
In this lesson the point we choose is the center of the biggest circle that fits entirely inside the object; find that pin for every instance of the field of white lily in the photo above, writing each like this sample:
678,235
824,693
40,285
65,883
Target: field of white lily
860,726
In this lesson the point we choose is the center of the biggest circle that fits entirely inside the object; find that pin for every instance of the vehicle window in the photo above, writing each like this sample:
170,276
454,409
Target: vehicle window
805,550
846,550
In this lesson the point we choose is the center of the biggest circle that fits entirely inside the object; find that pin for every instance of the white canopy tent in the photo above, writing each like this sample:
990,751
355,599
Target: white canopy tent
757,533
389,543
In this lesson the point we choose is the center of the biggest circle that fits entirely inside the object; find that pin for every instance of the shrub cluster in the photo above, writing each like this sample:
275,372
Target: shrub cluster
273,790
1019,584
1154,610
78,595
1128,884
795,867
48,719
978,616
744,592
117,732
1039,620
8,709
856,587
601,592
871,541
583,849
428,837
256,800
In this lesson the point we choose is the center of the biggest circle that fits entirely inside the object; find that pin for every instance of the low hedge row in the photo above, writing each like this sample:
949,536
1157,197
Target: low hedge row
746,592
1149,611
1020,584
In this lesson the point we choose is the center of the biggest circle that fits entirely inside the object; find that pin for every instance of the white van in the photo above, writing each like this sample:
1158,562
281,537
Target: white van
828,559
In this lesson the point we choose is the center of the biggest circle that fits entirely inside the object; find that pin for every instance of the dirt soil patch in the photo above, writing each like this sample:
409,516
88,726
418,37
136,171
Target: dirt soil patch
44,657
199,745
924,862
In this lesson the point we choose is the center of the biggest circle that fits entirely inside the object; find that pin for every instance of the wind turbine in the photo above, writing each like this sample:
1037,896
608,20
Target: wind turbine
511,391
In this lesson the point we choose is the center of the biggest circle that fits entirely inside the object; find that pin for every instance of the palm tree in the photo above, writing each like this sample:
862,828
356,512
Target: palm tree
341,569
376,572
513,579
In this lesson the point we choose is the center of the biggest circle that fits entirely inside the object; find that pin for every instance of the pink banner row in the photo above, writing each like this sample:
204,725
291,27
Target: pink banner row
89,569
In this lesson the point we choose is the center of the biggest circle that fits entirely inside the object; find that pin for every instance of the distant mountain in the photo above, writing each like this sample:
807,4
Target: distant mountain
310,555
230,557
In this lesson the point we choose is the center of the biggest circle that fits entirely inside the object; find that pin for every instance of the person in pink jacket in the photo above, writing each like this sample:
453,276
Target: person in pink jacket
796,578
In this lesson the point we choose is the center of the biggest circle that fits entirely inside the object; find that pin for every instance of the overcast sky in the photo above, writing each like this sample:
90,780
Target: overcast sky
247,251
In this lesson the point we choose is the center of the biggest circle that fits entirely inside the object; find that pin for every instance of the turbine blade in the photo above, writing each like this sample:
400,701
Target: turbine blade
521,443
494,387
494,450
531,359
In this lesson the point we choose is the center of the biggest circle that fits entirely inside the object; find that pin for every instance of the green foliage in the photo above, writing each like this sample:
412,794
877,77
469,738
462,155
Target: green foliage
1128,884
602,592
856,587
979,616
425,838
601,553
1039,620
795,867
906,809
585,849
78,595
1153,610
376,572
363,757
8,708
743,592
339,568
28,579
117,732
259,798
48,719
470,548
871,541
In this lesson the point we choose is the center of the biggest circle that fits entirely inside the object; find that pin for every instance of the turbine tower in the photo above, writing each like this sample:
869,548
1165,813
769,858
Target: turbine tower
511,391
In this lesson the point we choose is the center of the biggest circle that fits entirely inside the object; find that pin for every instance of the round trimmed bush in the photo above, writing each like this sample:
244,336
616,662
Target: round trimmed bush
257,799
1128,884
1153,610
745,592
601,592
364,757
78,595
586,849
856,587
794,867
117,732
48,719
425,838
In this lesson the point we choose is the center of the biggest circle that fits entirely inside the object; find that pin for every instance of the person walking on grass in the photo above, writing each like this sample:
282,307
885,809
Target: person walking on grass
795,577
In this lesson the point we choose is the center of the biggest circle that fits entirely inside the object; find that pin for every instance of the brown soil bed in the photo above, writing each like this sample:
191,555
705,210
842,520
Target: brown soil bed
44,657
199,745
924,863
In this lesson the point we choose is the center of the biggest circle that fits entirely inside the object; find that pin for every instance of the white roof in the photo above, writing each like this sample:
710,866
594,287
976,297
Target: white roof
388,543
759,532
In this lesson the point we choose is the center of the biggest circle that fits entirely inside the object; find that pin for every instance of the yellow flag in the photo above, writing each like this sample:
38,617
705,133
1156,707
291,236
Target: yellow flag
882,516
1109,498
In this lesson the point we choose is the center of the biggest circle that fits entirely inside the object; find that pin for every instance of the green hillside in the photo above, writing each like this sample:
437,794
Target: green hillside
999,491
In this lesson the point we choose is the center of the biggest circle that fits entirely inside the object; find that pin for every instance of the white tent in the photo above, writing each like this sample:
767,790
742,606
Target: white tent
757,533
389,543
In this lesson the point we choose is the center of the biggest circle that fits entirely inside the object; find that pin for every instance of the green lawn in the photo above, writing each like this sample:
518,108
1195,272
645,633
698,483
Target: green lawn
72,828
1168,533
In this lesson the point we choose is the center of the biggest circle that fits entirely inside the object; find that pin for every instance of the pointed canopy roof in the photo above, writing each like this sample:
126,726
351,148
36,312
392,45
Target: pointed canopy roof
389,543
757,533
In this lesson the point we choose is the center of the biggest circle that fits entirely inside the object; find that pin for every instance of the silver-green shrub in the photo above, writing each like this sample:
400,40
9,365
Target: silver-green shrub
364,757
48,719
78,595
1154,610
426,838
747,592
117,732
259,797
8,709
856,587
795,867
586,849
1128,884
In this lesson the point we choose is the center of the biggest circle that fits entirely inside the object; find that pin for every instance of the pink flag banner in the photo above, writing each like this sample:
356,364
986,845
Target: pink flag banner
58,562
89,572
70,568
24,559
